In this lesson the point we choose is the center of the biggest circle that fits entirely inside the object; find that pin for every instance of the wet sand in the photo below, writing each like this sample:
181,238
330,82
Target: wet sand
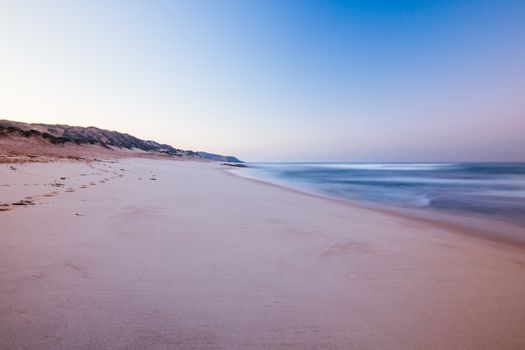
158,254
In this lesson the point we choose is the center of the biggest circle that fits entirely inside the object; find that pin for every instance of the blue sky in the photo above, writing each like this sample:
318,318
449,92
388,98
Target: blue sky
276,80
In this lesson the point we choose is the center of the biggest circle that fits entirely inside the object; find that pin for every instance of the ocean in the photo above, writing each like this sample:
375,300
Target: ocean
488,190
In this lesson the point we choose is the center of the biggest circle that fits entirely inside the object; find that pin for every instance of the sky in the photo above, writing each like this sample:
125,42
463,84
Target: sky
276,80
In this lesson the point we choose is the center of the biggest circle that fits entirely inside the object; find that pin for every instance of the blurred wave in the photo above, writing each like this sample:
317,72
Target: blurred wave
494,190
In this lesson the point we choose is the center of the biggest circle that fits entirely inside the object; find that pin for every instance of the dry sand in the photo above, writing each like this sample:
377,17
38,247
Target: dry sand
108,258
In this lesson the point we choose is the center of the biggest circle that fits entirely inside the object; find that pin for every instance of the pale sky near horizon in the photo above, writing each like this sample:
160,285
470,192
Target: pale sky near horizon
276,80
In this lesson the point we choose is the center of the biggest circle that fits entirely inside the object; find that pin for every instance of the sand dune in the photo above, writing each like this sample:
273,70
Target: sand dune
158,254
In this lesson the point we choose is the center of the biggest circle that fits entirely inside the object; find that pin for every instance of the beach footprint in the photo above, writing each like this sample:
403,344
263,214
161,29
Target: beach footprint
51,194
5,207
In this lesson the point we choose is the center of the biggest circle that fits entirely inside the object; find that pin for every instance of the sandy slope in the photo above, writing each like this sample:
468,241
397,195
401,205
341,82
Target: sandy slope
21,149
201,259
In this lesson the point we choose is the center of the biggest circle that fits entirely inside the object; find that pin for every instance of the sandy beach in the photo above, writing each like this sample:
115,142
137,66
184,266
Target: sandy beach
161,254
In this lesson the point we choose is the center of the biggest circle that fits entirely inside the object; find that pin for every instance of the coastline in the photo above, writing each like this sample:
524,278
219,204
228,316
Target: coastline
169,254
483,228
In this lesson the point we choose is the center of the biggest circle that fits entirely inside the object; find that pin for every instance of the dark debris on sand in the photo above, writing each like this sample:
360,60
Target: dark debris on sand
237,165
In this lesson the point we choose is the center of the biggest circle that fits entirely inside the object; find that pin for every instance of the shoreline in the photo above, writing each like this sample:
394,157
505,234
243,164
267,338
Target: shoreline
149,254
479,227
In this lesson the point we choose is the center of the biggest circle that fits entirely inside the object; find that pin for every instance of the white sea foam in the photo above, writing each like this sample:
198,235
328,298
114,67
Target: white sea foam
517,181
364,166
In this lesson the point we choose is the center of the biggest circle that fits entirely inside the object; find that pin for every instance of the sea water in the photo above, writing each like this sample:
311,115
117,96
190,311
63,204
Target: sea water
490,190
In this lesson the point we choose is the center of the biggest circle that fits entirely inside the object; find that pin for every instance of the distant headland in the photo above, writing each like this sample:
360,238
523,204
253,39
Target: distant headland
30,141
